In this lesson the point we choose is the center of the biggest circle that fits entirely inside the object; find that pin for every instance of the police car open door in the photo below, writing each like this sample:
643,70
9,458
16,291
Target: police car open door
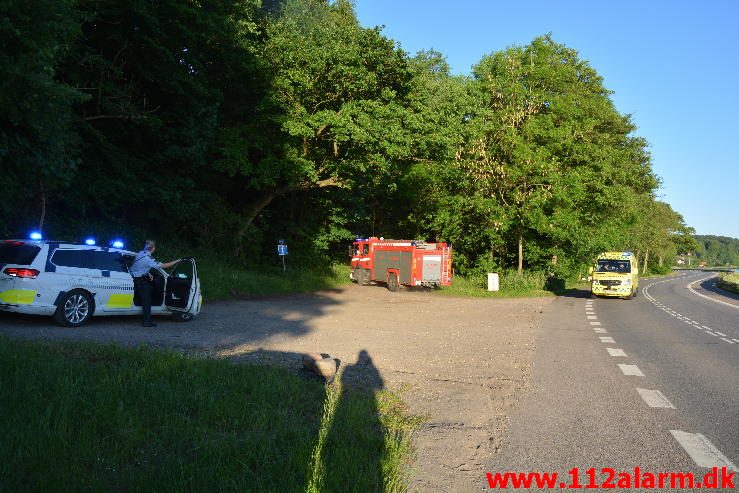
183,288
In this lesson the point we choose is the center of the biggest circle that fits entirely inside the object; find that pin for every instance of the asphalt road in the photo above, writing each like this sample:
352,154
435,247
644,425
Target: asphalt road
679,342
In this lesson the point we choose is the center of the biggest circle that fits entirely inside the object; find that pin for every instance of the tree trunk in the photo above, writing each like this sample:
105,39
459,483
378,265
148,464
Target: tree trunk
661,260
520,254
264,199
42,219
250,214
646,261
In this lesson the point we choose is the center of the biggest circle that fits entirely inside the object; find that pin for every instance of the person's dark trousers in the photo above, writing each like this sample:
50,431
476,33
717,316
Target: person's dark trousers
144,286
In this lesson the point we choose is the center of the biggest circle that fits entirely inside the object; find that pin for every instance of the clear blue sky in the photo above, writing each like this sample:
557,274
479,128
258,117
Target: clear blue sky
673,65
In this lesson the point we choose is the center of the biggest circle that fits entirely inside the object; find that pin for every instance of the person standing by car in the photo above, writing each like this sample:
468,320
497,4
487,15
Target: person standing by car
143,280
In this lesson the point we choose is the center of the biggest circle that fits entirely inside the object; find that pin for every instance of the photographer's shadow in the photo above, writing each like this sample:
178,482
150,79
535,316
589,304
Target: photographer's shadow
355,445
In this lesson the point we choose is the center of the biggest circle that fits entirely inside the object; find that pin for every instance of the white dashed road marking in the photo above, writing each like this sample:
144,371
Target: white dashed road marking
702,451
595,323
598,330
616,352
630,370
655,398
685,319
607,339
592,317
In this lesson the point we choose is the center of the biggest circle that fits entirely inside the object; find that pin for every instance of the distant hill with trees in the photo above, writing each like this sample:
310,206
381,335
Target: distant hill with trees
717,250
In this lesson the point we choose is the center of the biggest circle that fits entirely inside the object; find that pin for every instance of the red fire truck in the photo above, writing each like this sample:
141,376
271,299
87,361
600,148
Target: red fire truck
396,262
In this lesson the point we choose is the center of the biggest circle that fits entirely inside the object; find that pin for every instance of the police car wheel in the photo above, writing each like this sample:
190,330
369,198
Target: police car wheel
182,317
74,309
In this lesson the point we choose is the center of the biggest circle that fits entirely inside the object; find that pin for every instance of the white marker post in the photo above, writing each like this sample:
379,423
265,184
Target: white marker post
493,281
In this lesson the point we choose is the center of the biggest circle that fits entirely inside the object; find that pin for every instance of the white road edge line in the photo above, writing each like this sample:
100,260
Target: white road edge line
630,370
727,340
690,287
655,398
701,450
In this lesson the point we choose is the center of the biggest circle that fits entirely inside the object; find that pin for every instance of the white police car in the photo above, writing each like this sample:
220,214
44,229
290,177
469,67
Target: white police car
75,281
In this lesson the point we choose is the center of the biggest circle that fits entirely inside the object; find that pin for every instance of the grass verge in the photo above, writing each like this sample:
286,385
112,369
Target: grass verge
104,418
512,285
729,281
222,281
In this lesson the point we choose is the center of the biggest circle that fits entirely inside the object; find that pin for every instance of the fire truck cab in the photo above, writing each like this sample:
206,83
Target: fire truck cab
401,262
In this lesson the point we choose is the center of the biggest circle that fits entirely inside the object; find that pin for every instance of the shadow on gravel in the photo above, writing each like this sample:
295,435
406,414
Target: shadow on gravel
224,327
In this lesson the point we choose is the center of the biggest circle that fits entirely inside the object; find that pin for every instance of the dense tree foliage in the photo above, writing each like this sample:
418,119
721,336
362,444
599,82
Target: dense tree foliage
231,124
715,250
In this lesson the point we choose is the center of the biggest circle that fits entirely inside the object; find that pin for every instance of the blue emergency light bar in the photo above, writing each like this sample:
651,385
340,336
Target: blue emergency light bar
90,241
35,235
116,244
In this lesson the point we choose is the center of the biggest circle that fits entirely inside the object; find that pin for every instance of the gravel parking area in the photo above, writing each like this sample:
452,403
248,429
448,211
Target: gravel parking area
462,362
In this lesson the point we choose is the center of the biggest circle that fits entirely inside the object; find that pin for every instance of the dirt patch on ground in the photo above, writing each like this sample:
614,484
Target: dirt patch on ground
462,362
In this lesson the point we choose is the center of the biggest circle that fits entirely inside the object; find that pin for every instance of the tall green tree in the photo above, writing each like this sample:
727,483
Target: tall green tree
553,151
333,115
37,142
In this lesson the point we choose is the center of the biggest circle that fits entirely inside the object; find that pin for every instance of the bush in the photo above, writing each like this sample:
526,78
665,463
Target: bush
729,281
512,284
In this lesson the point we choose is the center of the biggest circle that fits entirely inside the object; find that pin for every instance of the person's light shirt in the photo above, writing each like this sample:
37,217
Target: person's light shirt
142,264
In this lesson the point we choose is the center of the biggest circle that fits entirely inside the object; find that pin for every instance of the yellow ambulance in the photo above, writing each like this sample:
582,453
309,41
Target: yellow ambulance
615,274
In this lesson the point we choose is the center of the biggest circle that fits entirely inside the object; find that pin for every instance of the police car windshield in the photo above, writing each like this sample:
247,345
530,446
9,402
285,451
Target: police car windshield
17,252
617,266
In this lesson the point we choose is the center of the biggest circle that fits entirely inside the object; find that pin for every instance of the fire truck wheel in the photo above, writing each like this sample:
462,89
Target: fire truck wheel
392,282
365,277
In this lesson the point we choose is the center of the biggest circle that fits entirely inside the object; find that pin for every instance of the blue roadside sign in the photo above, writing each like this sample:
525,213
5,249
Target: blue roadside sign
281,249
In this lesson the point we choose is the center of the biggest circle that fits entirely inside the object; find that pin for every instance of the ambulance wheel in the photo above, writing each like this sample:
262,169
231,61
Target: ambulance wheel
392,282
74,309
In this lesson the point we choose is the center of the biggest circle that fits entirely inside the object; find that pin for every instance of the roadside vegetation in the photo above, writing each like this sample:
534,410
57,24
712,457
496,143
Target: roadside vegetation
511,284
92,417
220,281
729,281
